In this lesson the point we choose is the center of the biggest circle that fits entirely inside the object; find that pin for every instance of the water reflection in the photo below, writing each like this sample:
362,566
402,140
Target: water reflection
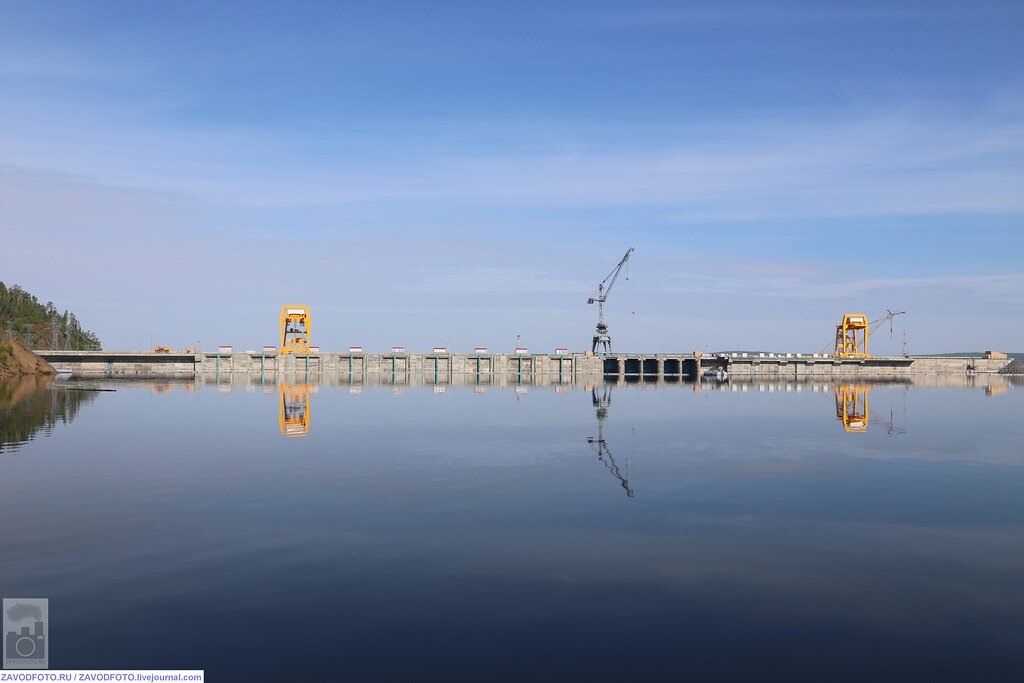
453,529
852,406
29,405
293,409
602,398
854,412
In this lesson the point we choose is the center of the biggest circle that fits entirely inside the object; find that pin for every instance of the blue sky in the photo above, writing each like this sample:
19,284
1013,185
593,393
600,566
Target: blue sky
462,172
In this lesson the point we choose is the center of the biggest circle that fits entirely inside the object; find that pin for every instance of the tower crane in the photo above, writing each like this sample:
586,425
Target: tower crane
601,338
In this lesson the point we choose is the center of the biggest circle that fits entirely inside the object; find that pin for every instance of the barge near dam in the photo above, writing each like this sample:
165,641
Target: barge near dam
440,366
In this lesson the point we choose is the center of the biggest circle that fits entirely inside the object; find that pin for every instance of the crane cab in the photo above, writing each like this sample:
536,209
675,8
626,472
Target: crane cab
295,329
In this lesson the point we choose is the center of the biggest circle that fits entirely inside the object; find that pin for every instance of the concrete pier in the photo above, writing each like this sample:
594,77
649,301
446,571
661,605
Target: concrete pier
441,368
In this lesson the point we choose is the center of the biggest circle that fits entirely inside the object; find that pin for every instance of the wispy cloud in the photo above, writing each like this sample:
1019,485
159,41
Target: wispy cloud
57,63
872,165
763,14
999,288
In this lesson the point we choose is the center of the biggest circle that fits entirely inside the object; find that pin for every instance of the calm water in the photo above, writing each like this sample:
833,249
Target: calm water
494,535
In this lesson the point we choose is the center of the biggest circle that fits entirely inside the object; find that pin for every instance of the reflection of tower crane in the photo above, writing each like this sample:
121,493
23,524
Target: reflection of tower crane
853,332
601,339
601,403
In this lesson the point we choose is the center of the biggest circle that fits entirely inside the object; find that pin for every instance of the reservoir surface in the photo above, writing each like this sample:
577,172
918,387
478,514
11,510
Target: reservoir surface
629,532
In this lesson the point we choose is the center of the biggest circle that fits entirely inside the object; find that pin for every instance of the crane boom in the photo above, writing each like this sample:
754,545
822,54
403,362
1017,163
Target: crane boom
614,275
889,315
601,338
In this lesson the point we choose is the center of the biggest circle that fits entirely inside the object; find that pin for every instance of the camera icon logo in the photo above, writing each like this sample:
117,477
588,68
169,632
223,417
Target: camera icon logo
25,633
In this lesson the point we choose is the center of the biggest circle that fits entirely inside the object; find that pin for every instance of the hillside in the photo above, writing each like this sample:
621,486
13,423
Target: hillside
16,360
41,326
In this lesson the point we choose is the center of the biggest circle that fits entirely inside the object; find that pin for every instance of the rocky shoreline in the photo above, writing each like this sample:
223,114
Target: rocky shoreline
1016,367
17,361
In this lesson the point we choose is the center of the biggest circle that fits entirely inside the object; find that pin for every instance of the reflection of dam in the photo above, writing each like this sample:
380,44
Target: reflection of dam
991,384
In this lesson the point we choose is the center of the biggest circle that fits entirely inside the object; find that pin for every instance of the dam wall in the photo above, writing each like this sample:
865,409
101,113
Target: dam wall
795,366
559,368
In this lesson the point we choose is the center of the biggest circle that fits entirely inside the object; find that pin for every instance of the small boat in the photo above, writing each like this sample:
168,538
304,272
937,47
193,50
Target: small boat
717,374
63,371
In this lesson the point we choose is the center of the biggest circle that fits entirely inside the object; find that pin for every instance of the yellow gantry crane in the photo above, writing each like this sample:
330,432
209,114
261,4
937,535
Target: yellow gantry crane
852,336
853,333
295,329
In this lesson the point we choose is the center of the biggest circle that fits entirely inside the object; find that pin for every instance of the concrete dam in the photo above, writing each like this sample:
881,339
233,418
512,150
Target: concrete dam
296,356
563,367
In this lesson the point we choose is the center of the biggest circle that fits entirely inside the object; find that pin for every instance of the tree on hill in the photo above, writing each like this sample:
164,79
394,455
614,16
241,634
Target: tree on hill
38,325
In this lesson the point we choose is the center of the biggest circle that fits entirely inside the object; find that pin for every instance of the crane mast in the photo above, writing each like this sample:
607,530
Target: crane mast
601,337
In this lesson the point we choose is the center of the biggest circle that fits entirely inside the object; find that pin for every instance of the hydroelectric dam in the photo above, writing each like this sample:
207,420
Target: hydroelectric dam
442,367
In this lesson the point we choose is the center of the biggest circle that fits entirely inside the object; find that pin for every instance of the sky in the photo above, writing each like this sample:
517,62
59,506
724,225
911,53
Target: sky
466,173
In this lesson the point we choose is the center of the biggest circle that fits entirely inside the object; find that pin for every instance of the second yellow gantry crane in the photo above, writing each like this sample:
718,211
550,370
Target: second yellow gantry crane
853,332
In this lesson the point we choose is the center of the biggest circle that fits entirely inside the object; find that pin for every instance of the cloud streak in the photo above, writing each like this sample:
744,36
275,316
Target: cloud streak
869,165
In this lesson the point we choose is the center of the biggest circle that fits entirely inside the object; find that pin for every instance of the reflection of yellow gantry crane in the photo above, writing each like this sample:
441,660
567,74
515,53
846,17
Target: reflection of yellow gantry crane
852,410
295,329
293,409
853,333
852,406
